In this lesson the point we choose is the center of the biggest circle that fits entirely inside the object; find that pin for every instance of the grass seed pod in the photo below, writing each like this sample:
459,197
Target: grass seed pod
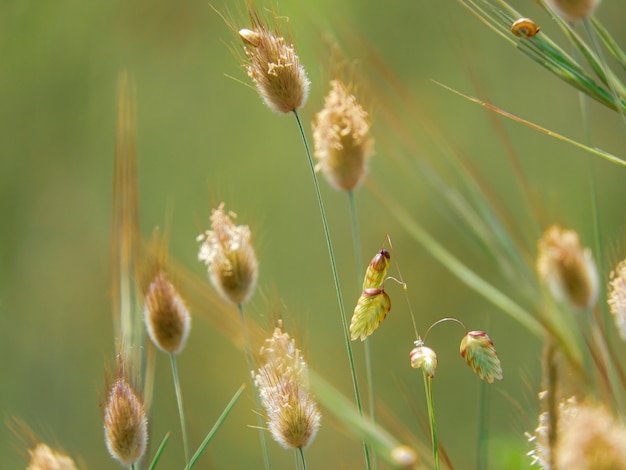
573,11
376,272
478,351
424,358
371,309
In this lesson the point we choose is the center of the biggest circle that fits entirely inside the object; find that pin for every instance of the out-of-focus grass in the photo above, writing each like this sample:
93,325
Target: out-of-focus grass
203,137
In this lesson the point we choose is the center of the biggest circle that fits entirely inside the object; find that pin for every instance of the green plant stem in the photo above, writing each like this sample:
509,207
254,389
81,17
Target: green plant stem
300,453
159,451
333,266
428,387
215,427
367,345
483,454
179,400
257,402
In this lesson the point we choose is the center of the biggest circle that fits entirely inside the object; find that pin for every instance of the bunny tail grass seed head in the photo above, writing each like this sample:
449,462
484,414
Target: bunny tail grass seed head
377,270
167,319
341,135
567,268
617,298
125,423
424,358
371,309
477,349
274,66
230,258
573,11
593,440
43,457
282,381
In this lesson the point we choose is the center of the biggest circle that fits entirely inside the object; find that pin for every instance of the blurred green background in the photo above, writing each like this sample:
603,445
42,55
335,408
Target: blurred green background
202,138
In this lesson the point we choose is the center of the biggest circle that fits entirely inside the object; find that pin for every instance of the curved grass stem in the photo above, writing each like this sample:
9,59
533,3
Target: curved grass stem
179,400
333,266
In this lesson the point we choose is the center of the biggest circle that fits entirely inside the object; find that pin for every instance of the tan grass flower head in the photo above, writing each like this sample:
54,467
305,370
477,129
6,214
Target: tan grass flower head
376,272
228,253
167,319
125,423
567,268
43,457
274,67
478,351
282,381
341,135
617,298
573,11
592,440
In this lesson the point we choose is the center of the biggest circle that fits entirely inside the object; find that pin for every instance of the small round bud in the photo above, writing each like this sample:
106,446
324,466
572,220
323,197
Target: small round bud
424,358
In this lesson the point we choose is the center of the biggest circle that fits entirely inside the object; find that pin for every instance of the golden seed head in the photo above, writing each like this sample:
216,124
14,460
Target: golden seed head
274,67
125,423
424,358
617,298
341,135
591,440
167,319
567,268
282,381
371,309
228,253
573,10
43,457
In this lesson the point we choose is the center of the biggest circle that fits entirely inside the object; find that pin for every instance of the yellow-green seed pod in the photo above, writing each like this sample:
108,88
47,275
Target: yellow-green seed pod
377,270
371,309
424,358
477,349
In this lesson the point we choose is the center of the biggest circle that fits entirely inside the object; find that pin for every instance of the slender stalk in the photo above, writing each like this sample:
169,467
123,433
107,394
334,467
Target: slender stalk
179,399
482,461
367,345
257,402
333,265
300,452
428,387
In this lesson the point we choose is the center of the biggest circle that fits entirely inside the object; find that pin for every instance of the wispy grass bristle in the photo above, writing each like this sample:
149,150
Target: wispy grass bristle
43,457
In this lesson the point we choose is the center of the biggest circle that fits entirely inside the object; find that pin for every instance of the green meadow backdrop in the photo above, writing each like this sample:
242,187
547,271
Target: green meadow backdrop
204,136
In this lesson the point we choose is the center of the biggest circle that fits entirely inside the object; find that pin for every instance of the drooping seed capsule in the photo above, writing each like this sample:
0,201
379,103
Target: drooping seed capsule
424,358
478,351
376,272
371,309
